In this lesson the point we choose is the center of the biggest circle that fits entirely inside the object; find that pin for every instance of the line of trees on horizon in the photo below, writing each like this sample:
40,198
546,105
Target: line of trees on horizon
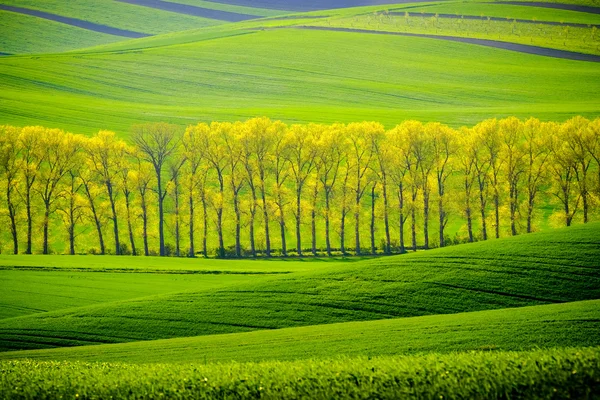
260,179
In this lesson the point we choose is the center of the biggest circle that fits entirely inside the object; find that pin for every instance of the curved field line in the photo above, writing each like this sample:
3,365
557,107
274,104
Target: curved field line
192,10
500,19
90,26
521,48
311,5
559,6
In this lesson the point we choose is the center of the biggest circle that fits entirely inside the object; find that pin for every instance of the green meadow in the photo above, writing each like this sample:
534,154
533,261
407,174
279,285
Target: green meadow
515,317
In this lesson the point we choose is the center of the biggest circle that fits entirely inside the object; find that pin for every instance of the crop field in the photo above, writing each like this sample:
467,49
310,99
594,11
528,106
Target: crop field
299,199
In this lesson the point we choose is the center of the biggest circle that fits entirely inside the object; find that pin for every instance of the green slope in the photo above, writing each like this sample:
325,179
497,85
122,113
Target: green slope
546,326
116,14
294,75
549,267
21,34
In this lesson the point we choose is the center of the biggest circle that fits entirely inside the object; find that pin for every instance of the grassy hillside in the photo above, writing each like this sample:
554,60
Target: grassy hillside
294,75
549,267
21,34
567,373
546,326
112,13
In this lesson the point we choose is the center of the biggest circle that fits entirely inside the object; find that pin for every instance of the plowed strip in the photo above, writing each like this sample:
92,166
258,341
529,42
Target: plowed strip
192,10
75,22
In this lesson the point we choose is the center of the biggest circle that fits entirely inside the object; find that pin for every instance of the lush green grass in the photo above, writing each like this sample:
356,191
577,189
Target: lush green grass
263,12
577,39
294,75
554,266
504,11
566,373
547,326
114,14
21,34
29,292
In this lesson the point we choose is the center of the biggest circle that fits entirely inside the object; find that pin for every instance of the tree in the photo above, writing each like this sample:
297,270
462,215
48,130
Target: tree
490,136
126,186
30,141
214,151
444,147
92,193
230,136
577,136
73,207
467,160
359,138
60,150
536,151
483,165
107,157
398,172
157,142
301,155
175,168
513,153
593,147
10,166
382,149
424,154
280,164
331,156
195,175
563,165
141,178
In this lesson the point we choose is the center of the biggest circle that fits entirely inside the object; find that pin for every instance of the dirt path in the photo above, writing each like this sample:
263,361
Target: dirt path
479,18
192,10
75,22
521,48
312,5
569,7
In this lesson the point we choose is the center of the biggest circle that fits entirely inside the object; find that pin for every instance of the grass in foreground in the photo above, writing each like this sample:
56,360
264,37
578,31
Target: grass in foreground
548,267
558,373
558,325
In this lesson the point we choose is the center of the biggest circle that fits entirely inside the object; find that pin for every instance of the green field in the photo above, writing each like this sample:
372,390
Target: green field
515,317
569,373
543,268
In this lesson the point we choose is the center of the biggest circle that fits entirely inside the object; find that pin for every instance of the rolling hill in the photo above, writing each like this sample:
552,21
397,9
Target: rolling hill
543,268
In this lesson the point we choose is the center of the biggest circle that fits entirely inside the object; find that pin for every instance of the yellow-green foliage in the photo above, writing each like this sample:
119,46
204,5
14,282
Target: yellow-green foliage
325,189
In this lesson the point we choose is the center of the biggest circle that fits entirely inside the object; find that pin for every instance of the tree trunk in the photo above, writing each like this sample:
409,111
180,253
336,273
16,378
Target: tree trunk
265,218
236,209
373,247
252,218
327,227
192,252
46,224
343,233
145,226
402,219
530,212
413,220
482,210
204,225
96,219
114,218
298,222
129,227
29,220
13,218
426,217
357,222
282,225
386,220
161,216
177,224
497,212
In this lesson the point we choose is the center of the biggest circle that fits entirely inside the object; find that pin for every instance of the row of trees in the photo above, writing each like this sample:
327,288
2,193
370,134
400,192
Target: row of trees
261,176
